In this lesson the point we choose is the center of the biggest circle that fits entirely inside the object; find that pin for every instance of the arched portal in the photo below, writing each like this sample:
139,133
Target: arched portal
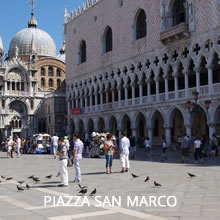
18,118
158,128
199,123
177,125
113,126
101,125
90,127
126,125
141,132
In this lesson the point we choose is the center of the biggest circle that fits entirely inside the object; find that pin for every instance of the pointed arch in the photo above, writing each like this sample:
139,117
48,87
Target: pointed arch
82,52
107,40
140,24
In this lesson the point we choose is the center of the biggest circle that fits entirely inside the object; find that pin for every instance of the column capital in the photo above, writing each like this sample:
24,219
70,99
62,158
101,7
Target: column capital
211,124
209,66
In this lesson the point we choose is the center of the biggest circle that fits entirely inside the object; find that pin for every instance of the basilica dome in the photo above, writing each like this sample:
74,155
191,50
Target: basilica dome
22,42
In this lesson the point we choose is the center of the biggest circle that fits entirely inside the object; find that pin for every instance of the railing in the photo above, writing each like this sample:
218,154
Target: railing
204,90
22,93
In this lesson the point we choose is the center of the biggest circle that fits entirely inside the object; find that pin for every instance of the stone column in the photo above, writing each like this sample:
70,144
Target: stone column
157,89
166,88
134,132
119,97
6,86
148,90
113,95
68,107
90,102
126,95
86,103
188,129
77,102
176,85
150,134
101,99
168,135
197,79
81,102
96,100
133,93
212,129
210,78
107,98
186,77
141,92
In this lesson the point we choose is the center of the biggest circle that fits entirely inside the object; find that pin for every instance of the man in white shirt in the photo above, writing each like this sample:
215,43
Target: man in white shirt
54,141
77,156
18,146
124,153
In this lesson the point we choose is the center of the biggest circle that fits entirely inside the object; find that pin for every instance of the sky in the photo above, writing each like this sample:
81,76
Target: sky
15,14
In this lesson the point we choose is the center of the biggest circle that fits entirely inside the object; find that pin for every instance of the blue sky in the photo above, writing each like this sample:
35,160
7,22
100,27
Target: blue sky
14,16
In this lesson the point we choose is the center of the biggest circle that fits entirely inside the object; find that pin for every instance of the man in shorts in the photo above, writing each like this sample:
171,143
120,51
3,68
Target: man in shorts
185,148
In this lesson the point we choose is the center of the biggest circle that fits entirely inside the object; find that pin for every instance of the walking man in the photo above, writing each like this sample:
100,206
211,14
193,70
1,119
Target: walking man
18,146
124,153
77,156
54,141
63,159
185,148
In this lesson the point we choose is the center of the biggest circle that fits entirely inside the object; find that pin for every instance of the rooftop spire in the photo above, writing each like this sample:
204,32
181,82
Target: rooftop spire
1,44
32,23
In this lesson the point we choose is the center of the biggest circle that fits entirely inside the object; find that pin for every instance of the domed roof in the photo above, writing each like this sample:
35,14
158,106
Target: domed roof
43,43
24,41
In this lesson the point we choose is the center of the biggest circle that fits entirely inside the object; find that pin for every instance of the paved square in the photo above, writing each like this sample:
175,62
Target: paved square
197,198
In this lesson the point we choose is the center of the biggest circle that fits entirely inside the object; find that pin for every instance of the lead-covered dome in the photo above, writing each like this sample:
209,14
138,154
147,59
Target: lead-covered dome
22,42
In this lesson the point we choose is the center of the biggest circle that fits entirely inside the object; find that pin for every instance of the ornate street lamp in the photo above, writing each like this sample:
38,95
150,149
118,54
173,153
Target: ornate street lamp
193,106
207,104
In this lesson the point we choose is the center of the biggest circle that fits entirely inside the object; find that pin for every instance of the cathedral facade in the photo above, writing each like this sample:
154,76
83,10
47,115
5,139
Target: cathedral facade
146,67
30,72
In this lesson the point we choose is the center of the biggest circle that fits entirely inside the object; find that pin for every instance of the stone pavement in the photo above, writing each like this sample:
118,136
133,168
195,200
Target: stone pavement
197,198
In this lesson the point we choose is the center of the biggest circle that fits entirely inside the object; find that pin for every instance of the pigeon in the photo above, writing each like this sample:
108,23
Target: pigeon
9,178
93,192
135,176
58,174
191,175
48,177
3,177
156,184
19,188
83,191
82,187
31,177
147,179
36,179
27,186
21,182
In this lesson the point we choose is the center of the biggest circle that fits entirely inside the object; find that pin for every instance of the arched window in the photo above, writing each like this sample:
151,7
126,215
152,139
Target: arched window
50,82
3,103
82,52
178,12
42,82
42,70
58,83
58,73
50,71
108,40
141,24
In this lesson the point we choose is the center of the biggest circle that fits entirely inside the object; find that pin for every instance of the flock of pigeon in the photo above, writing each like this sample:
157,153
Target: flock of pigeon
83,189
22,185
158,184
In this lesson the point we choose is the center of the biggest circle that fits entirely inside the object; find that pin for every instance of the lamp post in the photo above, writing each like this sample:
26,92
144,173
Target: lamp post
194,106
